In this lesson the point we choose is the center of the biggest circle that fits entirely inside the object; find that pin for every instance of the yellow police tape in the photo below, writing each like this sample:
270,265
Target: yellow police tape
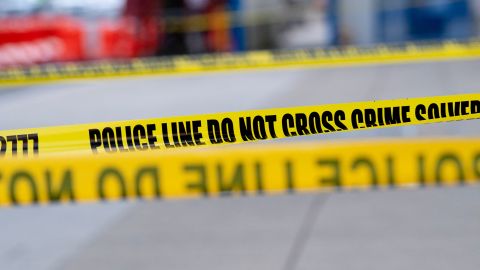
236,127
267,169
334,57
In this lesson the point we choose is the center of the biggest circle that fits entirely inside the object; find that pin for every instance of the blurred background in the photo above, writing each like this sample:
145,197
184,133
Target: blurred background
38,31
432,228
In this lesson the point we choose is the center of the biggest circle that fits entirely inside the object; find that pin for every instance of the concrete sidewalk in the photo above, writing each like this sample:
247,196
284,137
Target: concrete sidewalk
420,229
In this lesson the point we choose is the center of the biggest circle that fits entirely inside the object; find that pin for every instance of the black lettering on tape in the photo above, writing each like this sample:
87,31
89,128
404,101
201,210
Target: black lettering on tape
390,171
24,140
367,163
118,133
335,179
405,112
228,132
327,117
246,131
433,111
34,138
152,139
186,135
420,110
357,118
259,128
475,107
95,139
421,170
214,132
19,141
301,124
13,140
271,119
175,135
287,124
65,188
370,118
197,136
392,115
201,184
443,110
380,117
108,138
166,140
139,133
236,183
3,146
315,123
128,135
453,159
112,139
255,129
140,177
476,166
463,107
259,178
18,177
339,118
453,108
289,177
113,174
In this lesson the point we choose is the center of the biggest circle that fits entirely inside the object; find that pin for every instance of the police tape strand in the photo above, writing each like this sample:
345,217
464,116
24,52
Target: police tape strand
334,57
236,127
241,171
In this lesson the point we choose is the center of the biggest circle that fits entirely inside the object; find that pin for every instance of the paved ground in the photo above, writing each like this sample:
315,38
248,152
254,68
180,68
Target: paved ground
423,229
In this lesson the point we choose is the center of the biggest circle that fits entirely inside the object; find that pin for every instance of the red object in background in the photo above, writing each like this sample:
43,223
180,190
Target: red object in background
146,14
135,34
128,37
71,33
38,39
117,39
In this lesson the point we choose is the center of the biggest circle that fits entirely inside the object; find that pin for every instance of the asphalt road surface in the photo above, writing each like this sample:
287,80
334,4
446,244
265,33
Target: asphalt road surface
429,228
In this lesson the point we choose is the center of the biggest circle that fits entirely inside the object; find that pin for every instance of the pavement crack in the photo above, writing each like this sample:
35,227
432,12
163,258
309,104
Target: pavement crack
305,231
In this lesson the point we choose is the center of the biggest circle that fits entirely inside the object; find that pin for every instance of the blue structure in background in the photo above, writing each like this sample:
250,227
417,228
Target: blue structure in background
237,32
425,20
332,15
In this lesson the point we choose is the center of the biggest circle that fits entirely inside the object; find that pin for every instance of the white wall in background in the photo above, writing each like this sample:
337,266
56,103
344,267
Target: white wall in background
358,19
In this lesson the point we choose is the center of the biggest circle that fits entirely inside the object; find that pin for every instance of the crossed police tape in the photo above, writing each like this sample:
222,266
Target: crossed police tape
332,57
241,171
235,127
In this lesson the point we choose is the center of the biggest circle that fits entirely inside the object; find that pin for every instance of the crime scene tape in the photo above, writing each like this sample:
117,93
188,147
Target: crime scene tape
238,171
236,127
334,57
